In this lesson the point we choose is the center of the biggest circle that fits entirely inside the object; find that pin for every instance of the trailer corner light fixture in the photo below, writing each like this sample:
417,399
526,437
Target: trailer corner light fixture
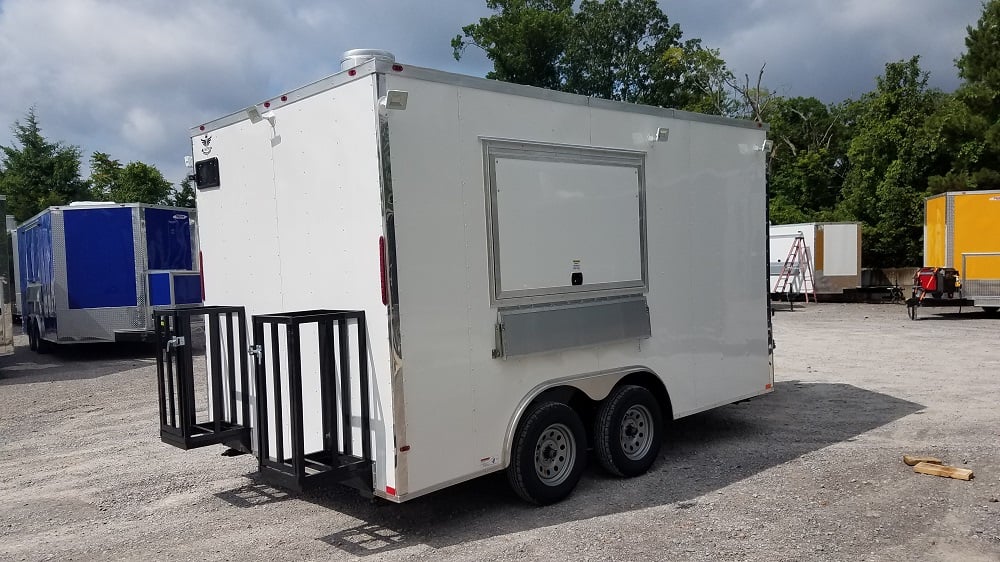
395,99
397,67
254,114
661,135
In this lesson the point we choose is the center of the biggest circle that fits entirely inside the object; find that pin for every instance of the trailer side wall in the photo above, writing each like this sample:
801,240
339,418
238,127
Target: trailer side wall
707,294
976,229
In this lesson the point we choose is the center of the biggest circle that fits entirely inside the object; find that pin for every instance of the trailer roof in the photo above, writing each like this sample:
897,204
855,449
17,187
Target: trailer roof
380,67
103,205
970,192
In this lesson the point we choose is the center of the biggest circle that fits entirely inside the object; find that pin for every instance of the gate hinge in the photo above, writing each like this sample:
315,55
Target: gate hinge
175,342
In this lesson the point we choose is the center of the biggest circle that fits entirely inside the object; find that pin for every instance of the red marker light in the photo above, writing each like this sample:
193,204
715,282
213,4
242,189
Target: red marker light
397,67
352,72
284,98
202,128
383,274
201,274
267,104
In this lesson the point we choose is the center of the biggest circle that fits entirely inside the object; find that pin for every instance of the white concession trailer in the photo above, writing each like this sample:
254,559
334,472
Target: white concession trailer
482,276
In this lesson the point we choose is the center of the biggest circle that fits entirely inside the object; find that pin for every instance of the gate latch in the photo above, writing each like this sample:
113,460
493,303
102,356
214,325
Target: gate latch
175,342
257,352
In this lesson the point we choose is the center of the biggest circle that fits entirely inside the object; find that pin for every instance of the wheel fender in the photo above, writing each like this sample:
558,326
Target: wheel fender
596,386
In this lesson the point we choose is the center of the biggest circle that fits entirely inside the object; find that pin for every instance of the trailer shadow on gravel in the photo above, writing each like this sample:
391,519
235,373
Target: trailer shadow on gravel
704,453
73,362
941,313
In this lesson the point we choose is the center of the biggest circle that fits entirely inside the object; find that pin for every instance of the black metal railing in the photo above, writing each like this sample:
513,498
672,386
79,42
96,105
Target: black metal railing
333,454
215,409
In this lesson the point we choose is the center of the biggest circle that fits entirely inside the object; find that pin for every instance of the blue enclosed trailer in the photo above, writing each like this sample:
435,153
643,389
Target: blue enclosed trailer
92,272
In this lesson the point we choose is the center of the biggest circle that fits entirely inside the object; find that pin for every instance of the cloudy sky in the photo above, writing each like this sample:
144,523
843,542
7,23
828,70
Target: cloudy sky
129,77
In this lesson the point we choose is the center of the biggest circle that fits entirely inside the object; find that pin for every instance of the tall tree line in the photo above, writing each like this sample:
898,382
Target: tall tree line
871,160
36,173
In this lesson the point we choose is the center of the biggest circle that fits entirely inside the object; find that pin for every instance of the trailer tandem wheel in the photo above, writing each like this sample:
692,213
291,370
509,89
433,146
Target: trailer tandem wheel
32,338
628,431
42,346
549,453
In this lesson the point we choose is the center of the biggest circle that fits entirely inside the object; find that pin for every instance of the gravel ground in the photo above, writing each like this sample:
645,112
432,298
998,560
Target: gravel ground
812,471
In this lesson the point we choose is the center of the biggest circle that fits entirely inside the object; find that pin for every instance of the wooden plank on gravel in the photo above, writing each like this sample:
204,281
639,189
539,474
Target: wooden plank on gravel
912,460
943,470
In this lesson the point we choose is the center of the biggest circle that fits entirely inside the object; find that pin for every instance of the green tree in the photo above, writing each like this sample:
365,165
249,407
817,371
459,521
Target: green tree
623,50
185,196
969,124
36,173
892,154
525,39
104,174
808,160
694,78
614,46
136,182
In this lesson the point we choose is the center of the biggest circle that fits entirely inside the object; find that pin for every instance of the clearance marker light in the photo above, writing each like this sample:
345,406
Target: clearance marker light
383,274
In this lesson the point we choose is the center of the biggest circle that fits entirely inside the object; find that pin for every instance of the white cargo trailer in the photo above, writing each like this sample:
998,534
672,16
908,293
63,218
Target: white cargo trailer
526,273
834,250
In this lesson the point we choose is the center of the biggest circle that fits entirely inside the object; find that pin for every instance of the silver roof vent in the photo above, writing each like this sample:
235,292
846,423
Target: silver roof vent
354,57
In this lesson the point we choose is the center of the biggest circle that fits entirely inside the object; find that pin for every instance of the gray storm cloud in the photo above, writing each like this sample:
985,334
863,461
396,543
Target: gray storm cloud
129,78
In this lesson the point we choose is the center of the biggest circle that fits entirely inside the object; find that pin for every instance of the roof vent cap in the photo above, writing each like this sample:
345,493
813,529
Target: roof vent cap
355,57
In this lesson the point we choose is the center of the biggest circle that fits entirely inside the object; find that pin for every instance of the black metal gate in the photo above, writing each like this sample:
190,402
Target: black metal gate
335,453
217,411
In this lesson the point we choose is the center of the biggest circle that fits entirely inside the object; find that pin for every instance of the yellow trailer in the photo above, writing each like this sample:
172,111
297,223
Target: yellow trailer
962,231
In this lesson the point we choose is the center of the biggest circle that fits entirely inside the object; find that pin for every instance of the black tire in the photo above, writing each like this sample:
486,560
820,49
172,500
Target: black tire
32,337
44,346
991,310
548,454
628,431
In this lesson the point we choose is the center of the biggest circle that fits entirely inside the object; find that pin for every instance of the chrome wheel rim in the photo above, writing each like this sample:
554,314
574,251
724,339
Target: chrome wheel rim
555,454
636,434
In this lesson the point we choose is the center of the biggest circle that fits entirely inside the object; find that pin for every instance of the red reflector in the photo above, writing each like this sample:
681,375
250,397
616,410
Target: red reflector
404,448
267,104
390,490
352,72
397,67
284,98
201,274
383,274
767,386
202,128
